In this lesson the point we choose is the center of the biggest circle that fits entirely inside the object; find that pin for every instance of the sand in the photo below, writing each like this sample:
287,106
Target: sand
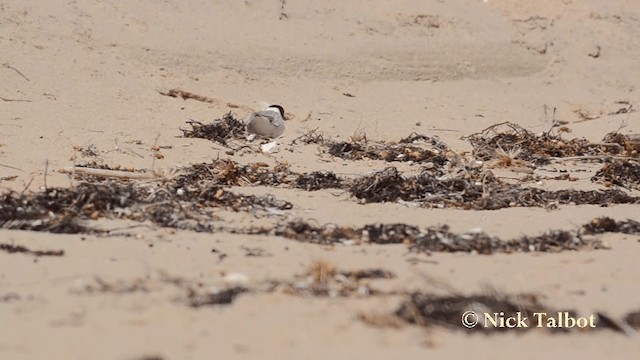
79,74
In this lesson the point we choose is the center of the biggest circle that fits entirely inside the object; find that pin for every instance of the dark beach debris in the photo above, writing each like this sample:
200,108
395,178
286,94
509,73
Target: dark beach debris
55,210
324,279
472,191
359,150
625,173
432,239
389,185
469,188
216,196
510,138
442,240
633,319
429,310
89,151
604,321
186,95
10,297
255,252
188,203
79,175
230,173
390,233
433,141
608,225
219,130
318,180
368,274
189,199
303,231
480,312
118,287
310,137
321,279
627,145
12,249
177,204
214,296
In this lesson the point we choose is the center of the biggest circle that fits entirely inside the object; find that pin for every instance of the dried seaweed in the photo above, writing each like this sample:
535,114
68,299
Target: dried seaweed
442,240
484,193
220,130
433,239
628,145
12,249
446,311
61,210
488,313
357,275
227,172
633,319
118,287
216,297
303,231
606,224
433,141
355,150
430,310
216,196
318,180
324,279
311,137
390,233
187,200
625,173
510,137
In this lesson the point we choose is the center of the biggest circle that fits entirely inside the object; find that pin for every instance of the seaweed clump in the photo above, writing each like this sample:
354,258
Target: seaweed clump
429,310
625,173
512,138
219,130
478,191
355,150
318,180
434,238
606,224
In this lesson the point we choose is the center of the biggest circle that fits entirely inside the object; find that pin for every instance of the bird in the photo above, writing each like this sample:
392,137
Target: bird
268,122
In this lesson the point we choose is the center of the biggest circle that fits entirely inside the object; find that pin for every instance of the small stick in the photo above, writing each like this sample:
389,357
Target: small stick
11,248
594,157
16,70
7,99
155,143
186,95
26,187
11,167
303,135
108,173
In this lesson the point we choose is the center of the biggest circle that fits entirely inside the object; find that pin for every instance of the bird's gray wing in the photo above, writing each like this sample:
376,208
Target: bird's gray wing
273,118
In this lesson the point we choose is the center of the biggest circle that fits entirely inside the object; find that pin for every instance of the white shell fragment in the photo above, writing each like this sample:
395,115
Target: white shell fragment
271,147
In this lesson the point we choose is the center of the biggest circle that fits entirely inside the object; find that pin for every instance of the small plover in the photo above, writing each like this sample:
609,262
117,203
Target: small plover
268,122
